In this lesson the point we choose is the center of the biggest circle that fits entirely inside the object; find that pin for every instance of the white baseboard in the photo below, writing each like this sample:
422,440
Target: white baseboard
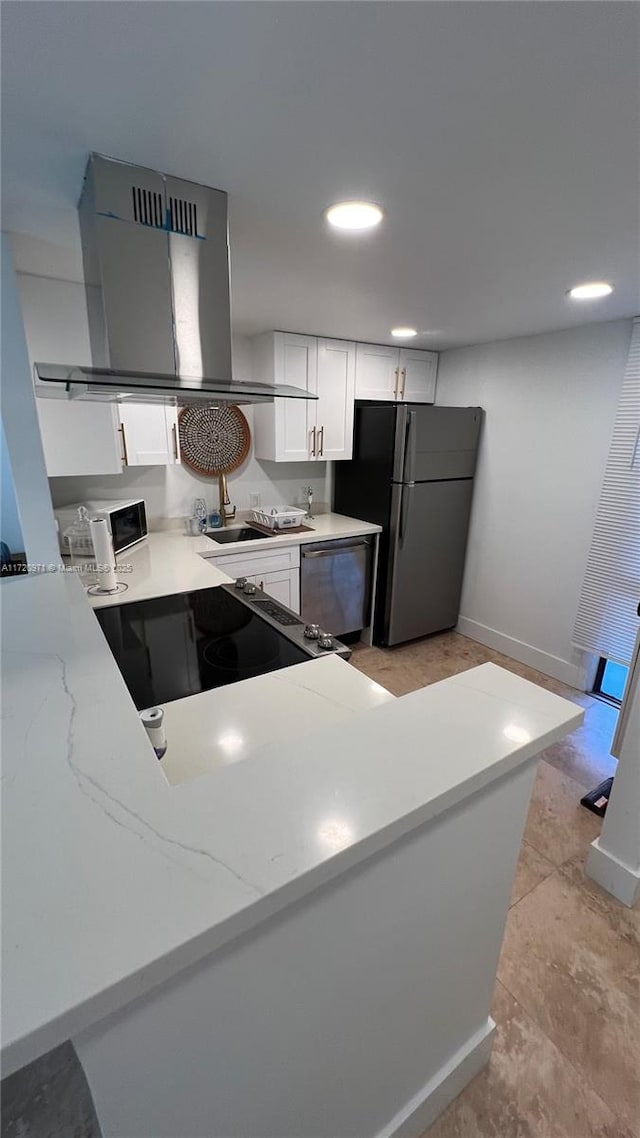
613,875
569,673
450,1080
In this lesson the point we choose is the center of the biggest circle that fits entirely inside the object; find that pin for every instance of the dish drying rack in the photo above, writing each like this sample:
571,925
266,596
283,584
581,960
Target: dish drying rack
288,518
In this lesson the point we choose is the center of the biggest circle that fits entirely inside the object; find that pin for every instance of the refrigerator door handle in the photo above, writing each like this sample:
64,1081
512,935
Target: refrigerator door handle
404,435
409,436
404,508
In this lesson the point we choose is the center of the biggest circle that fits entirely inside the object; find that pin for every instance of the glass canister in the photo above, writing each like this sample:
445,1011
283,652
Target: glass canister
200,511
77,539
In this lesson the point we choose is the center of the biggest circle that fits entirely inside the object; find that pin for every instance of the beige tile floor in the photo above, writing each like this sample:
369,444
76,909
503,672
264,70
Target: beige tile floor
566,1061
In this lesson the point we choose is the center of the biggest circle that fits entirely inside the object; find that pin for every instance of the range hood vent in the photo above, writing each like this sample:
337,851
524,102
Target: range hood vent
183,217
156,265
148,207
110,386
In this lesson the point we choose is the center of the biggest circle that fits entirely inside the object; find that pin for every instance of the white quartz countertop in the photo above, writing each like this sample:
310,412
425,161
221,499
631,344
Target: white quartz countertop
237,722
162,564
114,880
170,561
323,527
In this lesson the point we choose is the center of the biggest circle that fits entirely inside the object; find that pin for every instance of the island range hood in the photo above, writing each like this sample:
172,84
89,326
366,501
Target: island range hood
156,265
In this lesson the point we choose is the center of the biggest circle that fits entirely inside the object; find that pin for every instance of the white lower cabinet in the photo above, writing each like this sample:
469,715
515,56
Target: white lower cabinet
283,587
277,571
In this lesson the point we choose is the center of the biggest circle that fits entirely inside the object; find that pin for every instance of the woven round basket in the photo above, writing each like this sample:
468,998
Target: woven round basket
213,440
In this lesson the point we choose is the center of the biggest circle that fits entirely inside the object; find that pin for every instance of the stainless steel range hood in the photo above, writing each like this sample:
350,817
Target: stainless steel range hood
156,264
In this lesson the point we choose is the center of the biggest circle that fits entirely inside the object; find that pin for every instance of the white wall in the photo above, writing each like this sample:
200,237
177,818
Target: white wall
19,419
56,325
550,403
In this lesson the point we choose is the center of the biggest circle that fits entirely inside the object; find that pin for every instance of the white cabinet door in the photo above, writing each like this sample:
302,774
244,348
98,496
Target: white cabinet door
297,430
336,394
418,371
149,434
296,363
283,430
283,587
77,438
376,371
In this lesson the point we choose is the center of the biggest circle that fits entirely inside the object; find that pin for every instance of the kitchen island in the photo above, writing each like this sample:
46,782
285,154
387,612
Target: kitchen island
303,942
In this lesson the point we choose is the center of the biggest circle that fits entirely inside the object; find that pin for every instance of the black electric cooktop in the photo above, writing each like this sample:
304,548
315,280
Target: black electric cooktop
174,646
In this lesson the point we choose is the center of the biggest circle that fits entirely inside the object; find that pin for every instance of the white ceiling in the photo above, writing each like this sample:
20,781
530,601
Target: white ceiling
500,137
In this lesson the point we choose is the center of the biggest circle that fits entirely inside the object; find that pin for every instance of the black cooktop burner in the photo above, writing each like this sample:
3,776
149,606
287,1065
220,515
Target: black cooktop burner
253,652
171,647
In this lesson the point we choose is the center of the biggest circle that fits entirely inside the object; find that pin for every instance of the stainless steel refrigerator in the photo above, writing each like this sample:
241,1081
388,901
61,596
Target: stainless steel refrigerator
412,472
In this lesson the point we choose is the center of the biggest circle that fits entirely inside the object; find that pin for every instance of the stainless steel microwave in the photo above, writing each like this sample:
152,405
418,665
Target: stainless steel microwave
127,521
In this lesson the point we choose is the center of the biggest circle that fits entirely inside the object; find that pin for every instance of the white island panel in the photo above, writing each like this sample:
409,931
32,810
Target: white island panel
359,1012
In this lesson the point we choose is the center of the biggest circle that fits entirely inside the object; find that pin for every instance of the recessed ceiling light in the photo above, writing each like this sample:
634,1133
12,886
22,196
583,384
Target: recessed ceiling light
404,333
354,215
592,290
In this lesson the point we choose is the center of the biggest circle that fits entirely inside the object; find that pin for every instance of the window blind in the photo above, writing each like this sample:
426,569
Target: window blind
607,619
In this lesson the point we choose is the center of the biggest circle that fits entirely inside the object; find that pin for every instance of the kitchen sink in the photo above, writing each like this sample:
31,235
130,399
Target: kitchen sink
240,533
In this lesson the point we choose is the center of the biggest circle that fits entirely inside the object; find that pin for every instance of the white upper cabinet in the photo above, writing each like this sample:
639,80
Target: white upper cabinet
78,437
77,440
336,393
283,430
149,434
417,376
338,372
295,430
376,371
395,374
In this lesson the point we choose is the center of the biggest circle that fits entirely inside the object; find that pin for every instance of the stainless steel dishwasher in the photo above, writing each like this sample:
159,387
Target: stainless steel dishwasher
334,584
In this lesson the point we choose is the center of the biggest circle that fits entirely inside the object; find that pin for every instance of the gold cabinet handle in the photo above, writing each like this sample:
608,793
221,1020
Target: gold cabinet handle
395,390
404,380
321,441
124,456
313,442
174,435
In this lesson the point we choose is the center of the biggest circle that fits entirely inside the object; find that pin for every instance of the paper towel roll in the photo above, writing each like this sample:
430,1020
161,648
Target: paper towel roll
153,720
104,555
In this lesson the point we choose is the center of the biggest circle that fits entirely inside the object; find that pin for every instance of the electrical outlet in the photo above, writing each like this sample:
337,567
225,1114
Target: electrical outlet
255,501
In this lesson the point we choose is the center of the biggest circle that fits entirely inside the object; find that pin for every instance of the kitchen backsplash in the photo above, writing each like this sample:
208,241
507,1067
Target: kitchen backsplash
169,491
